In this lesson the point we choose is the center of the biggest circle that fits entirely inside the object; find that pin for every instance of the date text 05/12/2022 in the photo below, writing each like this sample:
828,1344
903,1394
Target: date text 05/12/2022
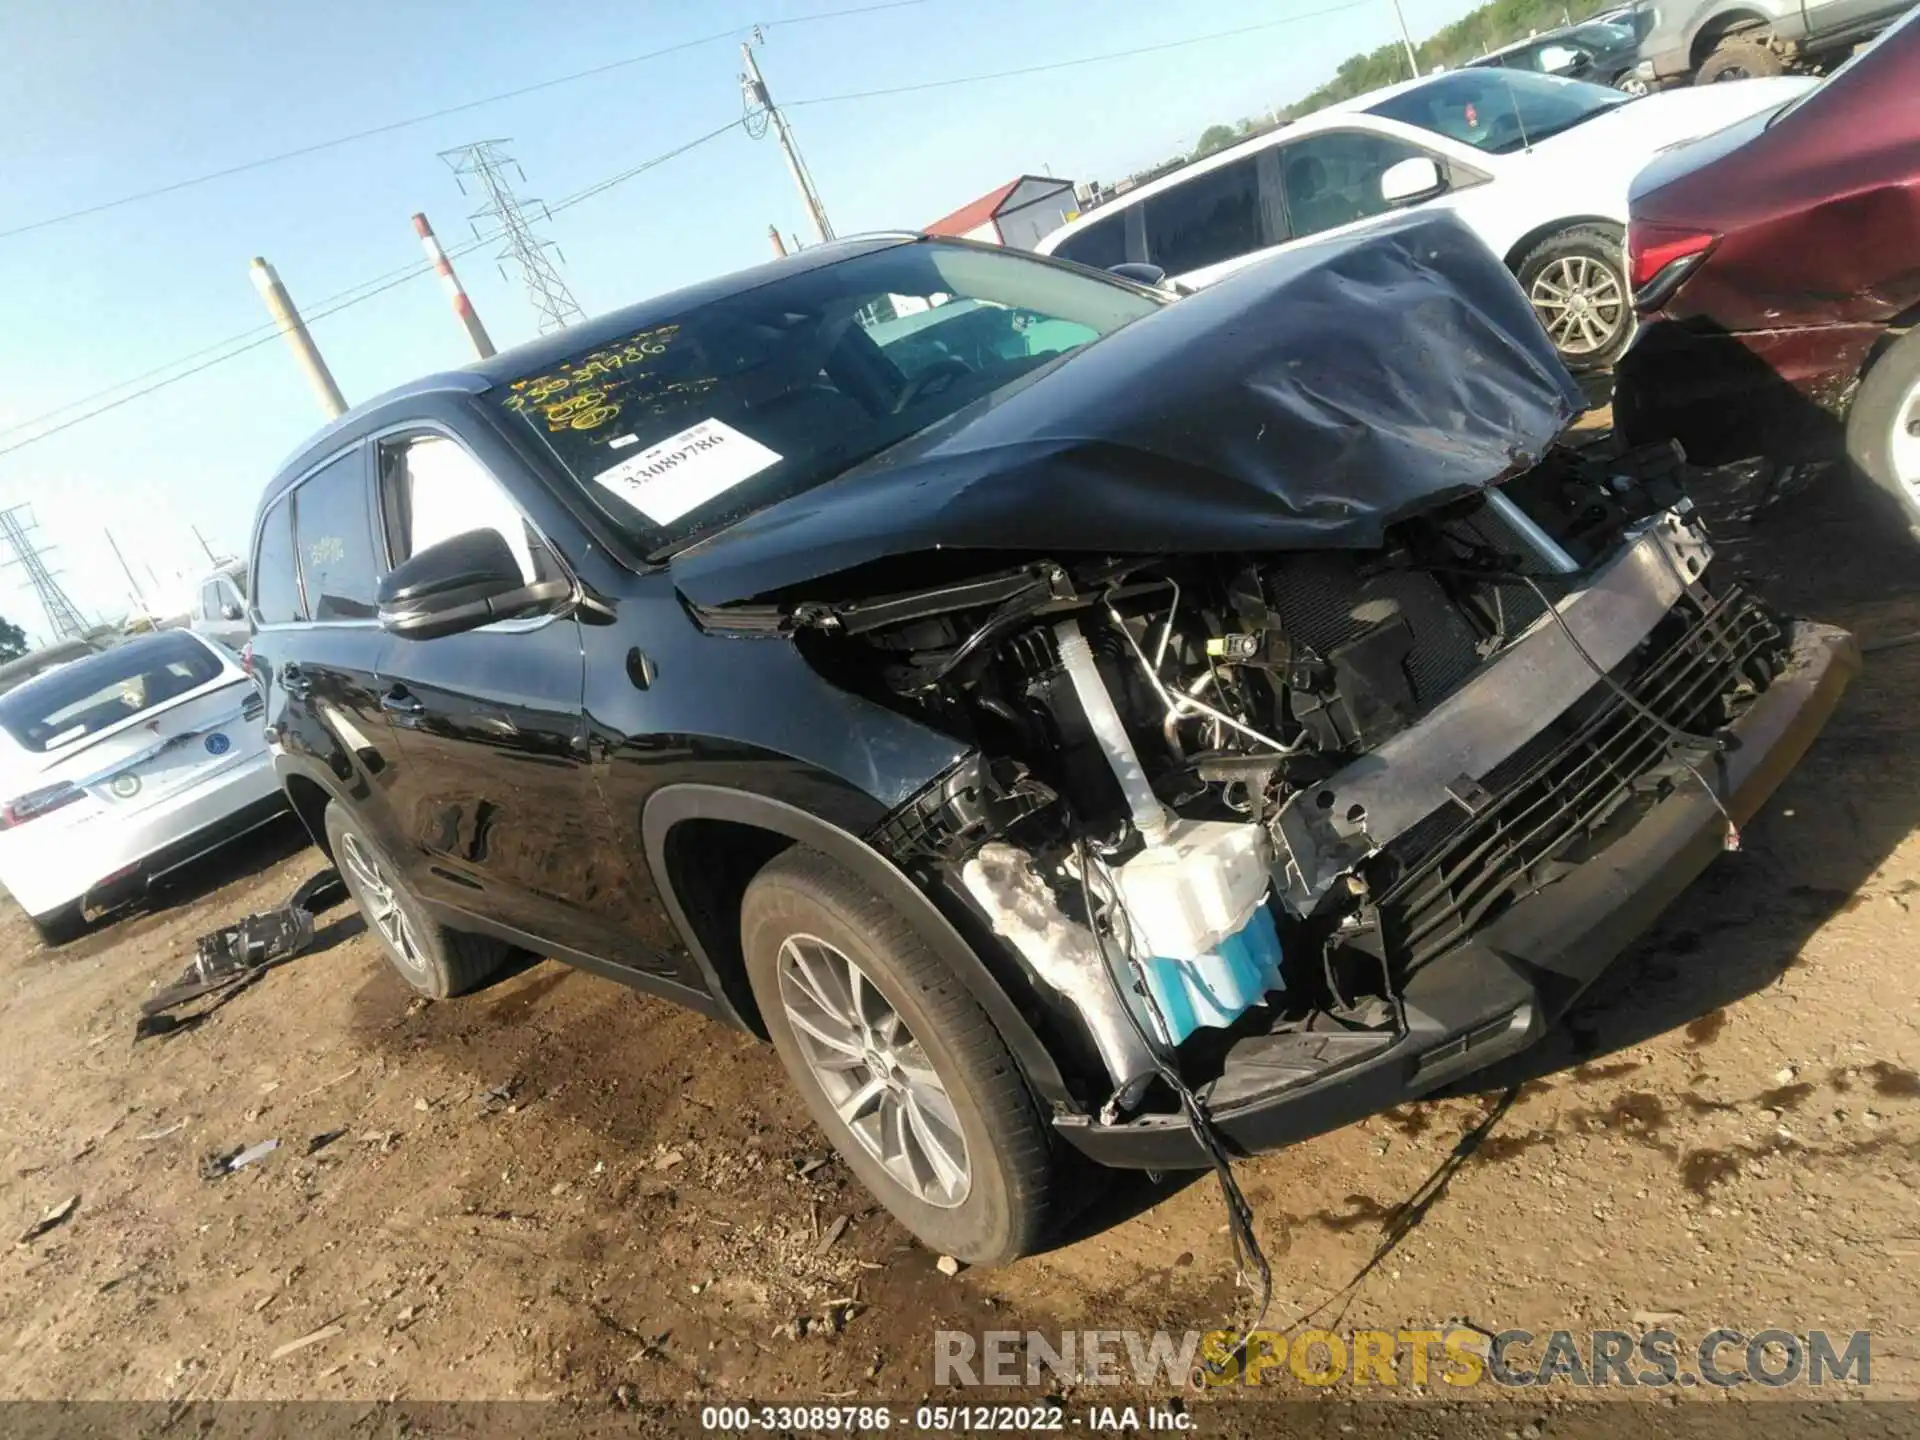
943,1419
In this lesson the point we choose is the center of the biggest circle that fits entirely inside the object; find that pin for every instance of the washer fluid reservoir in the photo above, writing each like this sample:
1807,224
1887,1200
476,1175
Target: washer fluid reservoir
1196,903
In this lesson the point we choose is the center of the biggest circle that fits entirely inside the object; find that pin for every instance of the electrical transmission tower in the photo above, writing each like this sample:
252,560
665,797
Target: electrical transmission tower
63,616
485,162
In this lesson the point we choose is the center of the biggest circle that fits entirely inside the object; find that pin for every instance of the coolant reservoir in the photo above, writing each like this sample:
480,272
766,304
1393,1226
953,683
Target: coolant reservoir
1196,904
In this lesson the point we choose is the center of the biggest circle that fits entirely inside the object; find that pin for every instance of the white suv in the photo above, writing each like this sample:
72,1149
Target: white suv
1538,166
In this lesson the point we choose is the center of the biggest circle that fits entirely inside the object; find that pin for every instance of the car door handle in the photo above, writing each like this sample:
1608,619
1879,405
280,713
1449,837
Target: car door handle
293,680
400,701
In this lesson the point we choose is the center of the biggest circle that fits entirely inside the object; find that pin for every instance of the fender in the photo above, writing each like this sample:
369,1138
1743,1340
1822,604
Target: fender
672,804
309,783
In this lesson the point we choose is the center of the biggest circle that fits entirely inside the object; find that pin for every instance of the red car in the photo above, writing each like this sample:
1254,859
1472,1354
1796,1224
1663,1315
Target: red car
1776,269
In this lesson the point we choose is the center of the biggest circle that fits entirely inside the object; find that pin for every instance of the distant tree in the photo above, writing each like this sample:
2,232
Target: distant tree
1213,138
13,640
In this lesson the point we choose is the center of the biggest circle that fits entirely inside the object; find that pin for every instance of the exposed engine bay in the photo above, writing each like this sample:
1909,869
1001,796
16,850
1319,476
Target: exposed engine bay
1221,795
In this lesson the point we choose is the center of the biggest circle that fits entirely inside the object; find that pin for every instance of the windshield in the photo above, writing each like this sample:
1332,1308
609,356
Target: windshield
1499,111
685,426
1599,35
97,693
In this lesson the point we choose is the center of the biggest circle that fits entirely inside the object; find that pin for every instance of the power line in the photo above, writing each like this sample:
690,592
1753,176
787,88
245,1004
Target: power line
836,14
268,329
1082,60
174,187
674,154
253,339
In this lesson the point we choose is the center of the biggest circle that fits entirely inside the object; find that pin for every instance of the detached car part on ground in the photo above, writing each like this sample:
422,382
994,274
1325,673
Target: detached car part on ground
1075,721
121,766
1778,286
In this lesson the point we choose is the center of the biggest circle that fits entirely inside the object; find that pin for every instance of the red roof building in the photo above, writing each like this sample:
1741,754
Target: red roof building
1019,213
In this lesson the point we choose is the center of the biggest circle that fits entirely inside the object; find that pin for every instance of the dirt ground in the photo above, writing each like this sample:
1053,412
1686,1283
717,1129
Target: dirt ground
557,1188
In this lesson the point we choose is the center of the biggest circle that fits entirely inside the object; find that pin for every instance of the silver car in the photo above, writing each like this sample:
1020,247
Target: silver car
120,767
220,607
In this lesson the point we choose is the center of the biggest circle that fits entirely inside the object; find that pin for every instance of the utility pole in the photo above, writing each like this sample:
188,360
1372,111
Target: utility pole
64,620
757,96
779,245
212,559
462,307
486,162
305,353
139,595
1413,61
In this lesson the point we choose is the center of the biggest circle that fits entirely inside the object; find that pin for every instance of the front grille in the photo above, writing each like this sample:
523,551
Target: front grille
1554,799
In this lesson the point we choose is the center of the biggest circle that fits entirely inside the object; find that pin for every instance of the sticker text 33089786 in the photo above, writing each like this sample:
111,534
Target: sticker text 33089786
684,471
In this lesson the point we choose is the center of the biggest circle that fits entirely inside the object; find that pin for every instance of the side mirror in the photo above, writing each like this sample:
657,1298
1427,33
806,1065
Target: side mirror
230,611
1140,273
461,584
1410,180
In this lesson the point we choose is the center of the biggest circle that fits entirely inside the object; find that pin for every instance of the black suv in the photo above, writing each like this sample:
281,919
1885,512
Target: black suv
1060,717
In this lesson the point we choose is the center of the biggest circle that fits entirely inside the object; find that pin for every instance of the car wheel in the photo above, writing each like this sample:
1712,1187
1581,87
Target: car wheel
1883,427
1739,60
434,960
896,1061
62,926
1576,281
1628,83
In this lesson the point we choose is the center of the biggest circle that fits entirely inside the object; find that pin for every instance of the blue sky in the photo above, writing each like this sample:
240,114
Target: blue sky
97,101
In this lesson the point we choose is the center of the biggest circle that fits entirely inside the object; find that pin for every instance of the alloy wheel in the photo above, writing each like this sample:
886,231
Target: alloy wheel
1581,304
1634,85
380,905
875,1074
1903,444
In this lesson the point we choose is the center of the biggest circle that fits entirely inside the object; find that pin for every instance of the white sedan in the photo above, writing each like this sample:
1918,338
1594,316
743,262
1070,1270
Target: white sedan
1538,166
122,766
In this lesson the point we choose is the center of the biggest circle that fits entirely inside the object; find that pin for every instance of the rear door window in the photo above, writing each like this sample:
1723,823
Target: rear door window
333,532
1333,179
276,596
1204,221
1101,244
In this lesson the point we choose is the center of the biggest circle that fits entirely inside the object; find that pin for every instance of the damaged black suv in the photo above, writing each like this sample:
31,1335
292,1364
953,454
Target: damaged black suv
1060,717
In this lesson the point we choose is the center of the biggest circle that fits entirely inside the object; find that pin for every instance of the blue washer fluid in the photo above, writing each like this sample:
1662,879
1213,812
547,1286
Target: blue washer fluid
1217,988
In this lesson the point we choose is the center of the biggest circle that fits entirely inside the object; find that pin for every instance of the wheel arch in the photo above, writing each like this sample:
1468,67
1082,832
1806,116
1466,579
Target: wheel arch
703,902
1524,246
309,799
1726,23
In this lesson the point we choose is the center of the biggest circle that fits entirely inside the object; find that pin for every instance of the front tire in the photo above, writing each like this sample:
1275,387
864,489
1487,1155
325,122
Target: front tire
897,1063
1739,60
1576,281
434,960
1883,428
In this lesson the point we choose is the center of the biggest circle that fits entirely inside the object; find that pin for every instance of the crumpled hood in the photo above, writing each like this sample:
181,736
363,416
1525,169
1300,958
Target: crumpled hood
1309,401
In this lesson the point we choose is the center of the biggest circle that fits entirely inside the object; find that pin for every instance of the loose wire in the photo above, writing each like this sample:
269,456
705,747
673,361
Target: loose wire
1248,1255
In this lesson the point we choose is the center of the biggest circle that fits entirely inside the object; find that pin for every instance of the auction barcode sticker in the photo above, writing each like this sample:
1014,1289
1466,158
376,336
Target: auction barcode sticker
684,471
